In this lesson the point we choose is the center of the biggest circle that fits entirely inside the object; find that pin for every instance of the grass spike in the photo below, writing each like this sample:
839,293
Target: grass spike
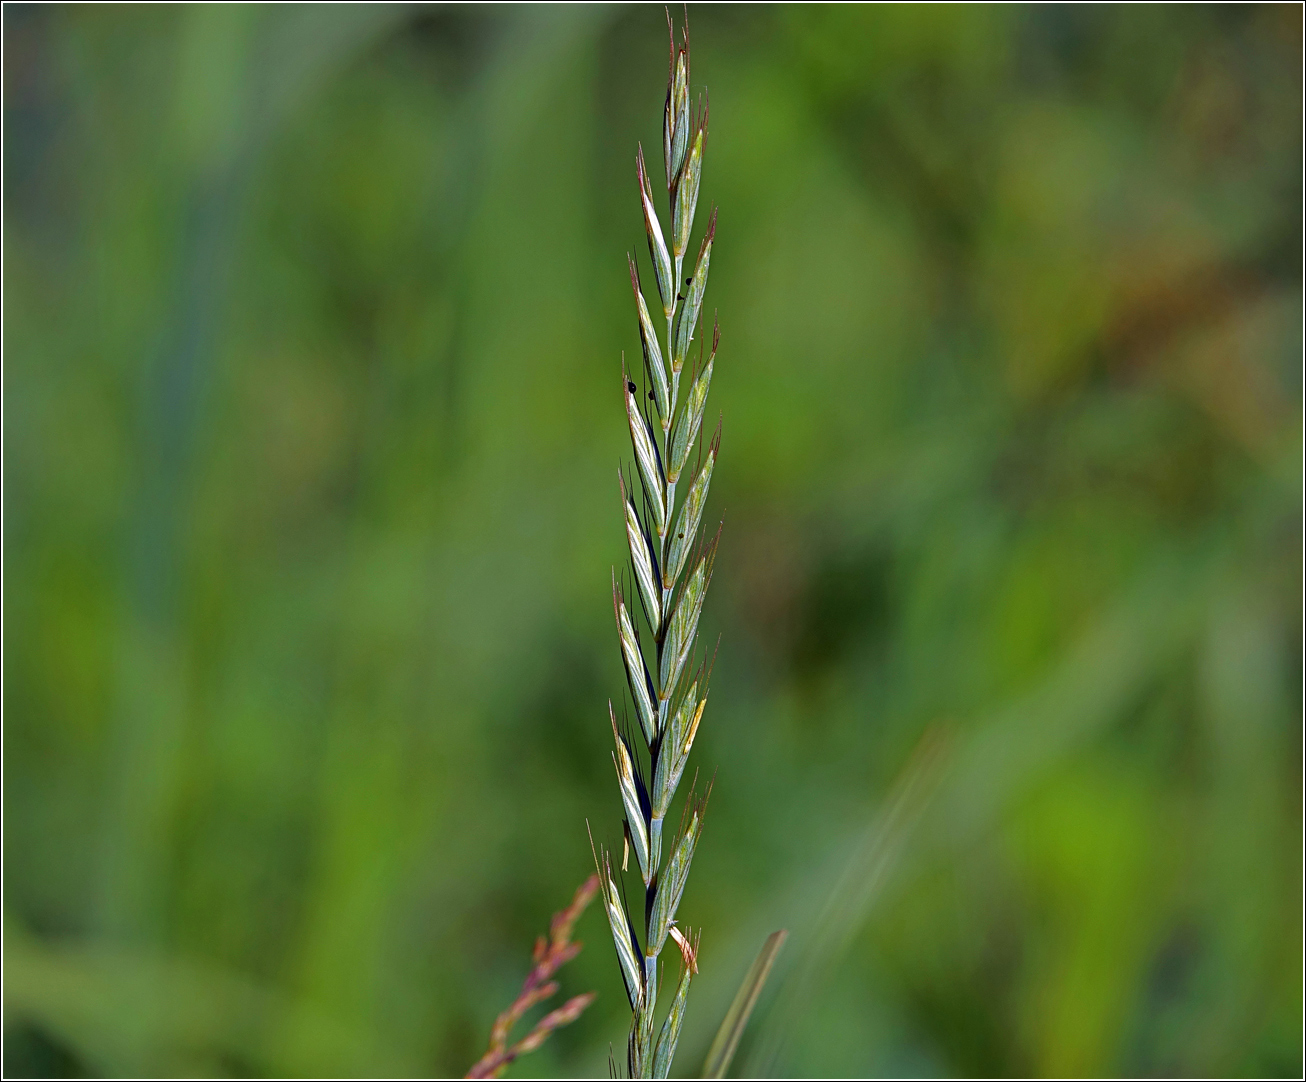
669,568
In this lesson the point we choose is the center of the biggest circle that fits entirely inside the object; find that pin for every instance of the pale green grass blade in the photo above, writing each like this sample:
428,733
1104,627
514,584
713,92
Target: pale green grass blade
727,1037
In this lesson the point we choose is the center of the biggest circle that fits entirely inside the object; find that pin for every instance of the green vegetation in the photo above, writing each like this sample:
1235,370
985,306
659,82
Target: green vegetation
310,318
668,696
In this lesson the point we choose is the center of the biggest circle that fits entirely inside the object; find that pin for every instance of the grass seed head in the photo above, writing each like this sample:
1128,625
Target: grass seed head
670,569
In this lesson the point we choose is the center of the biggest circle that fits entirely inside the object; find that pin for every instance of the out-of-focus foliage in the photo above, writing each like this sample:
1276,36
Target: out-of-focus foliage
312,332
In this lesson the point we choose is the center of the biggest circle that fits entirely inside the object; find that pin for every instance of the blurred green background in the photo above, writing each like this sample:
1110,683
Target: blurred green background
313,323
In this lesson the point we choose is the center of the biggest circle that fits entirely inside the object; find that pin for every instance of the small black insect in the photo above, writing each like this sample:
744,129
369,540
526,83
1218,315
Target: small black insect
630,386
689,279
680,535
650,396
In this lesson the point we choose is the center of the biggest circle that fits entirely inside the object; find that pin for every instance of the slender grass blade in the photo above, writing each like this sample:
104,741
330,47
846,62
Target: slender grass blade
727,1037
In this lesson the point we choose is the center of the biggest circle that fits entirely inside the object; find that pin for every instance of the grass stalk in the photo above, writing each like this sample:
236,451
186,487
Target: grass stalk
670,569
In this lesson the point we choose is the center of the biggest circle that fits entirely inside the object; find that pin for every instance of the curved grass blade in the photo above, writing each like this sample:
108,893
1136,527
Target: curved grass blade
726,1041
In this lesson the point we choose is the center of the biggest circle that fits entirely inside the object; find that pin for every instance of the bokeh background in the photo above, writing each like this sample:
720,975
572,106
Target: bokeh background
313,320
